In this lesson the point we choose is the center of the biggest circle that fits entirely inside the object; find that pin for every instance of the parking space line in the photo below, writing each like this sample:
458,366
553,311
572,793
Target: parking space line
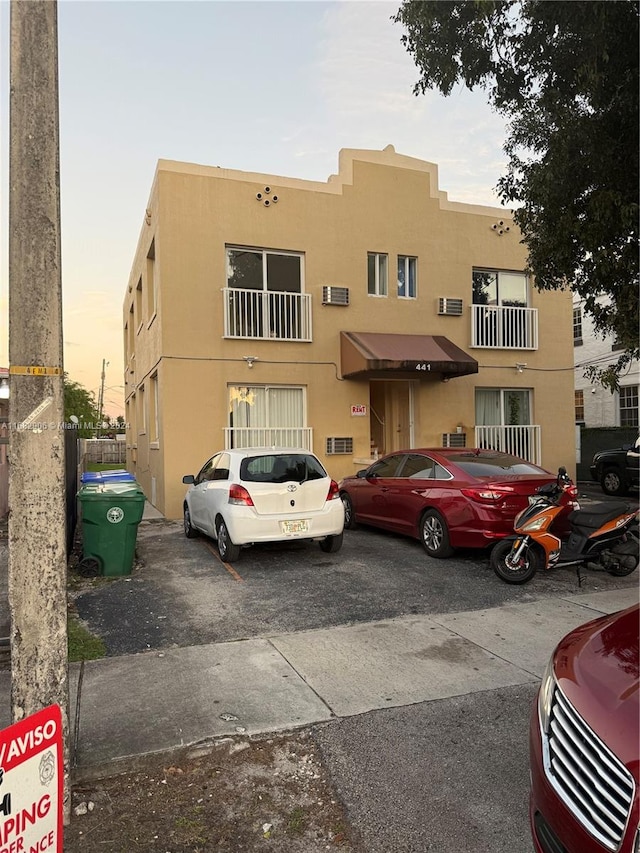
227,566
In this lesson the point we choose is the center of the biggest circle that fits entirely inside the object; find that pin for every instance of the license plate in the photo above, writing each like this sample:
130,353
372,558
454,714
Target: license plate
301,525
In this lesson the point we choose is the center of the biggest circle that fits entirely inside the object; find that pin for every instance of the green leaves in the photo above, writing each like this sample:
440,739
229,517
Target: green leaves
565,74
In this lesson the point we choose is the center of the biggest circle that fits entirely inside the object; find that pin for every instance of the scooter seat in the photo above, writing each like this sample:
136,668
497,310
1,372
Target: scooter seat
597,515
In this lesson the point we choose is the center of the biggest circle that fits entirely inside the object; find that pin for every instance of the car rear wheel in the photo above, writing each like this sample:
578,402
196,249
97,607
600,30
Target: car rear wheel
229,552
612,483
189,531
331,544
520,571
349,514
434,535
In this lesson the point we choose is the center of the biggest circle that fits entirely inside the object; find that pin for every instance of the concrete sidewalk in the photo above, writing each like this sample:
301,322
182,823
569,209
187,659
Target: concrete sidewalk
159,700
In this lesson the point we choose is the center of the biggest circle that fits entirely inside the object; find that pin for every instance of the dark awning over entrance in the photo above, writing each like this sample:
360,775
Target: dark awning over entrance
373,355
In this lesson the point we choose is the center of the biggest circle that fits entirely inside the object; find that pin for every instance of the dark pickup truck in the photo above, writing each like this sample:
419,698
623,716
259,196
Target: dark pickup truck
617,470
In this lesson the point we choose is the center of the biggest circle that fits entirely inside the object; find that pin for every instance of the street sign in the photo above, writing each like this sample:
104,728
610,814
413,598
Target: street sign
31,780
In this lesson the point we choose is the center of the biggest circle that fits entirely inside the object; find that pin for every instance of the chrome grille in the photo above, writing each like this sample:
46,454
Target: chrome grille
588,777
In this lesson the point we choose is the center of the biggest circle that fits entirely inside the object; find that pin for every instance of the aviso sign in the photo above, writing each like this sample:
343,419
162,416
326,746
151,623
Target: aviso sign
31,778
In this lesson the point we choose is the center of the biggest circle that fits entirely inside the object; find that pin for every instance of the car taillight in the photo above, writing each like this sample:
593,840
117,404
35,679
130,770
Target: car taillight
239,495
489,494
334,491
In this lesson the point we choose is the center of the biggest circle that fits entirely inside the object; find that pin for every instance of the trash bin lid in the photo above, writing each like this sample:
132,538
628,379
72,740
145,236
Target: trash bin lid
107,476
97,490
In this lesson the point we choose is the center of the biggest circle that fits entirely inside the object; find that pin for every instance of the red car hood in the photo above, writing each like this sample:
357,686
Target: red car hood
597,669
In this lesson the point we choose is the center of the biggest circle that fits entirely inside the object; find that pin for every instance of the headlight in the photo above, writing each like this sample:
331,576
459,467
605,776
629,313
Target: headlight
545,696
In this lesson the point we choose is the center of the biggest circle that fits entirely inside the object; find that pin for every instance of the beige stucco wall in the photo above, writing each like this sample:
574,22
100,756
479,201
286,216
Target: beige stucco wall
380,202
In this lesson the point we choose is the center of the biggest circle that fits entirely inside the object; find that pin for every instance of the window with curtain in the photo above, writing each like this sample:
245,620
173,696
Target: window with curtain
407,277
503,407
262,407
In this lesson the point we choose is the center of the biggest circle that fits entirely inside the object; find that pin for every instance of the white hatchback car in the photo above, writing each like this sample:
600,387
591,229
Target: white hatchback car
251,495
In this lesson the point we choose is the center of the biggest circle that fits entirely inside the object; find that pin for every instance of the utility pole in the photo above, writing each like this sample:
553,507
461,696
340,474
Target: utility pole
101,397
37,520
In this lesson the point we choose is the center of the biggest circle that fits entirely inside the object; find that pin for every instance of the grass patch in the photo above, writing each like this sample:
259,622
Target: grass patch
82,644
297,822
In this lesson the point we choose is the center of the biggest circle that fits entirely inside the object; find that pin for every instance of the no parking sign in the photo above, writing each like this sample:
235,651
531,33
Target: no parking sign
31,778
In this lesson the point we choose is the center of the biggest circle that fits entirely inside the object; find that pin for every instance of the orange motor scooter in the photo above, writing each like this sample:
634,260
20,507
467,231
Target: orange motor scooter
552,532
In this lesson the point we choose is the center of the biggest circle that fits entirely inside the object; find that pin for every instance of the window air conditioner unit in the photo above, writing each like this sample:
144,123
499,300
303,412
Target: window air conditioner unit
454,439
452,307
339,445
335,295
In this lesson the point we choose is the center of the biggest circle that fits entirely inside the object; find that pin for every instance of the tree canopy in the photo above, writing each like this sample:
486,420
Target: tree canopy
565,75
80,403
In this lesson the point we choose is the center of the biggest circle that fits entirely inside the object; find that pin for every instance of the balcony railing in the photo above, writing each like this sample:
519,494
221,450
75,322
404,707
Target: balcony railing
523,441
265,314
497,327
239,437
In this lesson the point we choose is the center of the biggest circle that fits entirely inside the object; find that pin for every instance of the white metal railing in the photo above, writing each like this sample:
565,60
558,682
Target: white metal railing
498,327
523,441
301,437
266,314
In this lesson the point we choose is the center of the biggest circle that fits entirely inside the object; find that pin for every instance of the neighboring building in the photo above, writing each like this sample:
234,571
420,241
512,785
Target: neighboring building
595,405
353,317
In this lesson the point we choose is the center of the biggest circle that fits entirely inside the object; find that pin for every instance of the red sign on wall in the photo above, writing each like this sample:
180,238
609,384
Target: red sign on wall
358,410
31,778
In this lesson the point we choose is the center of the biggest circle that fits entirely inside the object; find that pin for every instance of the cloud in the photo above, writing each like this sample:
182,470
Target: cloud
365,78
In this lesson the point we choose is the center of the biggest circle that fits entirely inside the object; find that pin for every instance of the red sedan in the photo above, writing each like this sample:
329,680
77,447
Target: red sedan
584,754
446,498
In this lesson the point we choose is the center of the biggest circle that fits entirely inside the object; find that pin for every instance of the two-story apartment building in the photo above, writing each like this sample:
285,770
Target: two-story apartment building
353,317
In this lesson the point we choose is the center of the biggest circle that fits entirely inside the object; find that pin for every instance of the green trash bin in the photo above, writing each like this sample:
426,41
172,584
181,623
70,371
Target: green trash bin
111,513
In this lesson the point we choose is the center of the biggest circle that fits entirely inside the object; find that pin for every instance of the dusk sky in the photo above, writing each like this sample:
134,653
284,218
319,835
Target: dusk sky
273,87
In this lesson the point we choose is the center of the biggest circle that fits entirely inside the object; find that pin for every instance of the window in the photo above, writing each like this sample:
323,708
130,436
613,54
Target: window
501,318
142,412
507,406
376,274
260,269
508,289
153,409
385,467
407,277
263,415
503,422
152,281
579,405
577,326
418,467
265,293
132,332
628,397
138,303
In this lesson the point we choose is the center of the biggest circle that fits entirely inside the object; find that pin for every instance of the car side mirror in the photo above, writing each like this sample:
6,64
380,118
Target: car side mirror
188,479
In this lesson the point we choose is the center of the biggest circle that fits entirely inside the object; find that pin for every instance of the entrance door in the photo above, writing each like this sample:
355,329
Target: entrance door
391,416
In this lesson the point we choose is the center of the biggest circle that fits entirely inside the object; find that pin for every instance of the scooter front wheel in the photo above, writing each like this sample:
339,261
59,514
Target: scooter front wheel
509,570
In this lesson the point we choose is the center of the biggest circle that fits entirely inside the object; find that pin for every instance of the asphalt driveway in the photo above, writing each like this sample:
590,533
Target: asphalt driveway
181,594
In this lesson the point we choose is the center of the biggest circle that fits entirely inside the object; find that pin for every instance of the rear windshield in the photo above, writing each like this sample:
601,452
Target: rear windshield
501,465
298,467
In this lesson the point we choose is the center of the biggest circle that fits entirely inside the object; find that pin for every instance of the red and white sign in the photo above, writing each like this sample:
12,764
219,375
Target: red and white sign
358,410
31,778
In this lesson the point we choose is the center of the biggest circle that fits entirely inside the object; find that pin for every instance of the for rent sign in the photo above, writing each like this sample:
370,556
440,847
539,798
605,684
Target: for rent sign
31,777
